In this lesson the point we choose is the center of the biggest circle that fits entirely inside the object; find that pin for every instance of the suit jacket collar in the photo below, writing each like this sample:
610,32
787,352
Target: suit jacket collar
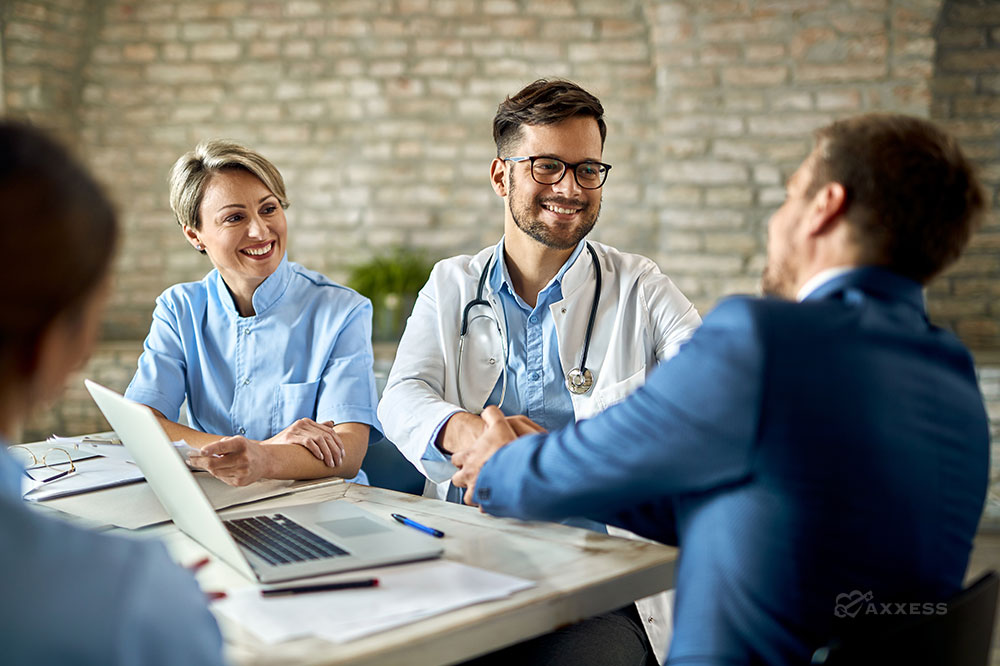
873,280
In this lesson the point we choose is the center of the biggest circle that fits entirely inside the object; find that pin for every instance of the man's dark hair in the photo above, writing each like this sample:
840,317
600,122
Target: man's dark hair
913,198
62,230
544,102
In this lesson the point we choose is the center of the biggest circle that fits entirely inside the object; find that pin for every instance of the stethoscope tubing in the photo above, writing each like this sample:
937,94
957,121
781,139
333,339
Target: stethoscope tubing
582,371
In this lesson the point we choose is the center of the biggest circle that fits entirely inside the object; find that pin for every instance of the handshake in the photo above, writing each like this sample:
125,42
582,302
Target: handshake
496,431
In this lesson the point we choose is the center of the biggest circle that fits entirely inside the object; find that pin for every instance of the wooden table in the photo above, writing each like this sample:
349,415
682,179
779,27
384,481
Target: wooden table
579,574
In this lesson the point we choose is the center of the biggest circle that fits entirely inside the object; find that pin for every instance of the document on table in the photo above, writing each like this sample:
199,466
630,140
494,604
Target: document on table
100,463
136,506
90,474
406,593
72,447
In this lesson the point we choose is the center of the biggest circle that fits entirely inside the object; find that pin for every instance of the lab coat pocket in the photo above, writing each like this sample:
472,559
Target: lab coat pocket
619,390
293,402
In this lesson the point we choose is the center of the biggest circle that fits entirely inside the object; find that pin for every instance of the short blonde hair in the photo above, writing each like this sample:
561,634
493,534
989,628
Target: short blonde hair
191,172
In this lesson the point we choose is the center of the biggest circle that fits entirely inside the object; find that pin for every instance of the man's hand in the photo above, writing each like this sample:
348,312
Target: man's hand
522,425
237,461
499,432
459,432
320,439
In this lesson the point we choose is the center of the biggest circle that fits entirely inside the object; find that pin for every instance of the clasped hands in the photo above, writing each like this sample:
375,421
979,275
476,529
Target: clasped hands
498,432
239,461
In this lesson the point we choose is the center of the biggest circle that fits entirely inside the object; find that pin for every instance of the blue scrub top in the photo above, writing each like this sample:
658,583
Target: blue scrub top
76,597
306,353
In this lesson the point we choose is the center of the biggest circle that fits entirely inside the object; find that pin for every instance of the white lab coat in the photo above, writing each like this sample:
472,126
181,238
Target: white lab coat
642,318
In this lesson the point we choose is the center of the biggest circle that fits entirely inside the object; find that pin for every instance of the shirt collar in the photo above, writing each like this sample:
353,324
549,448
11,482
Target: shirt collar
10,474
875,281
821,278
267,293
499,276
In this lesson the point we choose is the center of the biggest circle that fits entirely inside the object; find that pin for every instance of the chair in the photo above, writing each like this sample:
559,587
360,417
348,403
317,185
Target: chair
959,637
384,464
387,468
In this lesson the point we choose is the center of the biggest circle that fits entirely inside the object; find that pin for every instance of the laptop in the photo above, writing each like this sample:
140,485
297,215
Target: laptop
267,546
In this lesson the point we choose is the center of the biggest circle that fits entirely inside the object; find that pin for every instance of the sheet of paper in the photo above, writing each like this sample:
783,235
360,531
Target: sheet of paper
406,593
136,506
90,475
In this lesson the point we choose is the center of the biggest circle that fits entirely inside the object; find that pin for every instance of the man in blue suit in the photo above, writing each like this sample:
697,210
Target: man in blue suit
802,450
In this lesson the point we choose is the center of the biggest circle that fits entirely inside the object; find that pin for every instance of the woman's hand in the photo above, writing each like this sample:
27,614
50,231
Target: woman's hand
320,439
237,461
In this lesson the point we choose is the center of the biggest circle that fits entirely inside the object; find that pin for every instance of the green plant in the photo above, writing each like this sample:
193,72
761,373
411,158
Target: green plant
391,281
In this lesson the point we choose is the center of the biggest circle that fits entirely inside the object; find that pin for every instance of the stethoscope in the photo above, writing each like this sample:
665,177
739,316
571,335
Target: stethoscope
579,380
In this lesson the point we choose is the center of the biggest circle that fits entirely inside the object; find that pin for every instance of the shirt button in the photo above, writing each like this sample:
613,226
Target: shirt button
534,376
493,361
243,431
650,619
533,319
246,331
246,381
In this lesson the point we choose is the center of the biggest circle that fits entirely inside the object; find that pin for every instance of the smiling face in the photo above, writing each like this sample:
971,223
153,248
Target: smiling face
559,215
243,229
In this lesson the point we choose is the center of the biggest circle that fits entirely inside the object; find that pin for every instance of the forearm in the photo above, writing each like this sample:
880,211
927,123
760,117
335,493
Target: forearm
690,428
292,461
412,414
176,431
459,432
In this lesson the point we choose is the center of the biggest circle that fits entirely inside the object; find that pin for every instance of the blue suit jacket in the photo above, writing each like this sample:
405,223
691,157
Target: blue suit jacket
795,452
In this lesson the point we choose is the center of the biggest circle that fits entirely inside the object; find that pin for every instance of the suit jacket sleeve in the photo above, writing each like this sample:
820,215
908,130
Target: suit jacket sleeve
690,428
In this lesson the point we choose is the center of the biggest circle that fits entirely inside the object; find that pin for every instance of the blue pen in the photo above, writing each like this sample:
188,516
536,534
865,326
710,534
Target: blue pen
414,524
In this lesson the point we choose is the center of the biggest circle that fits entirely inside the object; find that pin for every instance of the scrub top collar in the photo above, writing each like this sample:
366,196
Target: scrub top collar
501,277
267,293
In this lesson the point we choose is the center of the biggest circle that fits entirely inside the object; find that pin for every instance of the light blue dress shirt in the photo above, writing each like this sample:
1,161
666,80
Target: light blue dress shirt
306,353
536,385
70,596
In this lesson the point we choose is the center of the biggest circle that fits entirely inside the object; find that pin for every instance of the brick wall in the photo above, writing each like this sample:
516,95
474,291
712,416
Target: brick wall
112,364
378,113
44,48
966,86
740,87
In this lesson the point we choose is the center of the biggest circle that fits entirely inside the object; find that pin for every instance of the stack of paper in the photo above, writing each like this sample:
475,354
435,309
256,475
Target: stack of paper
406,593
92,474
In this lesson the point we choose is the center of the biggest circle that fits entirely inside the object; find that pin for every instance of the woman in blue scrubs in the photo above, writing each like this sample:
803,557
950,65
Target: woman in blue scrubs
274,360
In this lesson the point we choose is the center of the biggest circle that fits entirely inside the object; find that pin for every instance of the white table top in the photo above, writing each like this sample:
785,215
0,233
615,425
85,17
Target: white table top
578,574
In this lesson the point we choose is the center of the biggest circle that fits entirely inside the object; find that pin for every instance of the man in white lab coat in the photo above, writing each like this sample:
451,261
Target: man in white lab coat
545,324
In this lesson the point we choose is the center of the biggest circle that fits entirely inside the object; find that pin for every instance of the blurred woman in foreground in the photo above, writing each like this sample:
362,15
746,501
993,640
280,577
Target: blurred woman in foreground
71,596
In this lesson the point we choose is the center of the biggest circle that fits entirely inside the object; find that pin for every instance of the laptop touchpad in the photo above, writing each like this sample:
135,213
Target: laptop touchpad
352,527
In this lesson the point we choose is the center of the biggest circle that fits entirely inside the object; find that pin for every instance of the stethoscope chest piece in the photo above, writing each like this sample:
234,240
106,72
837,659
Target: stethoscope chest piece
579,382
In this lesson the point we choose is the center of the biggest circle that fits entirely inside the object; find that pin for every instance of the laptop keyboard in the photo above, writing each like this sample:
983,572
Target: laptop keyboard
280,540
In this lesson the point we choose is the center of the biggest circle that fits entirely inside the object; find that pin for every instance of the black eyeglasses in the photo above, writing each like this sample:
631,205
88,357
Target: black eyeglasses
550,170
